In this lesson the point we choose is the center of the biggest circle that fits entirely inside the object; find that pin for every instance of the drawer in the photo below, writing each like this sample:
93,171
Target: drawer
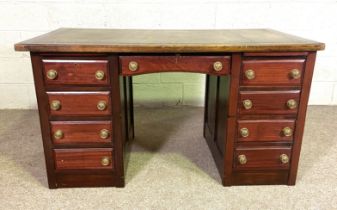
269,102
67,159
262,157
76,72
265,130
81,132
79,103
272,72
217,65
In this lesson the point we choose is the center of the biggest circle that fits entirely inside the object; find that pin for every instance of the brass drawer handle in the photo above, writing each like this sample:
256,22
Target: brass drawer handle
101,105
51,74
55,105
295,73
58,134
99,75
248,104
104,133
244,132
105,161
250,74
217,66
284,158
291,104
242,159
133,66
287,131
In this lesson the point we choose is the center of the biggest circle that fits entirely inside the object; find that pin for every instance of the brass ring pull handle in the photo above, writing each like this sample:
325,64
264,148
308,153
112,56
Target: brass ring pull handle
105,161
284,158
295,73
99,75
55,105
247,104
58,134
51,74
133,66
101,105
104,133
217,66
244,132
291,104
242,159
250,74
287,131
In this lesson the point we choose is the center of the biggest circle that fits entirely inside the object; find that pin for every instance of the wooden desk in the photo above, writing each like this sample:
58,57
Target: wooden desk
257,90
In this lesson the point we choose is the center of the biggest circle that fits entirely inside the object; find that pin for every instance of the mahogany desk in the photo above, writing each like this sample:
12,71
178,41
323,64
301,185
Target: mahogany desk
257,90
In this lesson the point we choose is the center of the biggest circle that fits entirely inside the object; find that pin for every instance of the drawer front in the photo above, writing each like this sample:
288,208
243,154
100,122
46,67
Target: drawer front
217,65
265,130
67,159
81,132
262,157
79,103
272,72
269,102
76,72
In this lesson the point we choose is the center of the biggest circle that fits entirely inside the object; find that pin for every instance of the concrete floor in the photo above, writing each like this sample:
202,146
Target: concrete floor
170,167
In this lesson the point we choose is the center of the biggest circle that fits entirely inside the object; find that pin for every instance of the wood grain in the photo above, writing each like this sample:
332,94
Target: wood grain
210,121
81,132
42,103
259,178
80,103
85,180
268,102
76,72
309,69
177,63
231,118
119,124
275,72
162,41
82,158
261,157
265,130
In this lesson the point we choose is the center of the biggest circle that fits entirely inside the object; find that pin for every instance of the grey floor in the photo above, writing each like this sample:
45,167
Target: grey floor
170,167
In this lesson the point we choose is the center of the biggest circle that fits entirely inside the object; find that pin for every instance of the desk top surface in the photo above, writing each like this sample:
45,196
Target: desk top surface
161,41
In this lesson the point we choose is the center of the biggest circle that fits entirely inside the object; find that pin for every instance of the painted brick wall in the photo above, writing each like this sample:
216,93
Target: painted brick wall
22,19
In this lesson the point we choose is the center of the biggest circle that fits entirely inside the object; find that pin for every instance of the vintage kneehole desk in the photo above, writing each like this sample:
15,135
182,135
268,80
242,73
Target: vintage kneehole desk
257,90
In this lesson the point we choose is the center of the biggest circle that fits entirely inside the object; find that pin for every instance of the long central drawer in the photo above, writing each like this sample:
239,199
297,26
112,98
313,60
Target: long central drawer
133,65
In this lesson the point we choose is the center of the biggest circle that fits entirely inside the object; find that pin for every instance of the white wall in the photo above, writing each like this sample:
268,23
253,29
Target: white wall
22,19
